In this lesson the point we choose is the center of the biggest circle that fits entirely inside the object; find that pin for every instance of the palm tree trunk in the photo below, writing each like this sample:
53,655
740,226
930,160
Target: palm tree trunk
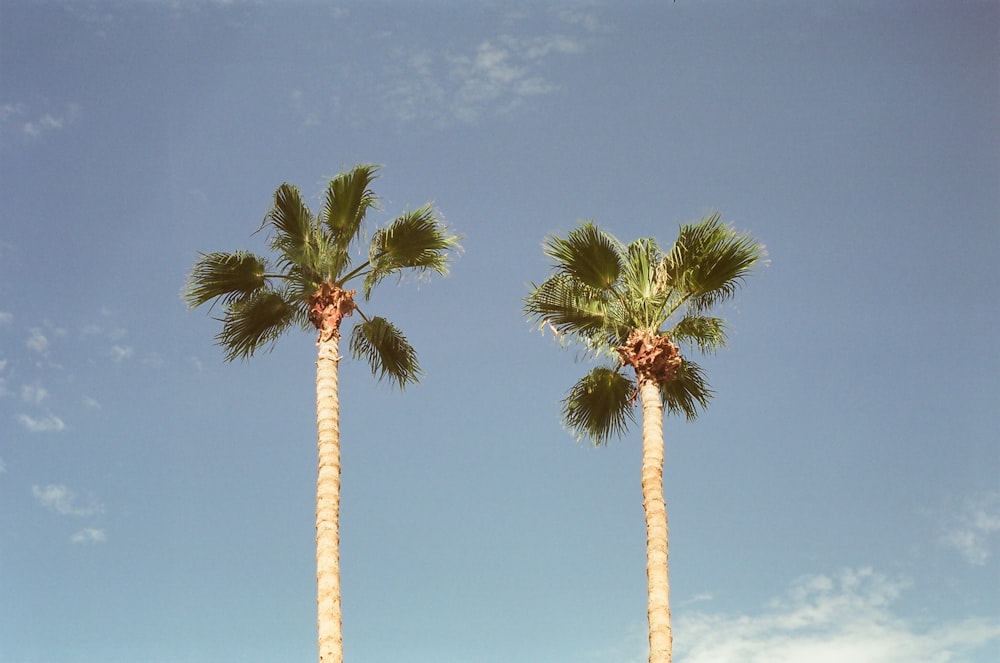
331,641
657,577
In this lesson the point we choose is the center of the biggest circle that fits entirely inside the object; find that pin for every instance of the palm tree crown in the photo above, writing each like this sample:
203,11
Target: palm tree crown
634,303
307,283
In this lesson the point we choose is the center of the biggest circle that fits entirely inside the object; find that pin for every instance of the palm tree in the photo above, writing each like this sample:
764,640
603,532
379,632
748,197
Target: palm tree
307,287
634,304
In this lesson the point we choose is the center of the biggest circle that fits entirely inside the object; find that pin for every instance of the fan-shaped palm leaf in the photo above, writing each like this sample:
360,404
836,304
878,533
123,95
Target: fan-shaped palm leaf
570,307
588,254
707,333
600,405
348,199
710,260
416,240
255,322
688,392
226,276
292,223
644,294
387,351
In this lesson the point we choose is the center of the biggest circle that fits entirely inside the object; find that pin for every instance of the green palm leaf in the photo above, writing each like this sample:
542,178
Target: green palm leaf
644,292
293,234
710,260
600,405
588,254
227,276
387,351
688,392
348,199
707,333
416,240
570,307
255,322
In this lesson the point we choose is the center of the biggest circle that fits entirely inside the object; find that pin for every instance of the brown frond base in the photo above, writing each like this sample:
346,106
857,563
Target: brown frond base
327,307
654,357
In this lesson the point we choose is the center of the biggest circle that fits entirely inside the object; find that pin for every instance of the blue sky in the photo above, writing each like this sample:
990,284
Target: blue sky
838,501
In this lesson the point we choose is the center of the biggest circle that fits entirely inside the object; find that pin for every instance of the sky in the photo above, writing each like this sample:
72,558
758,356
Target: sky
839,500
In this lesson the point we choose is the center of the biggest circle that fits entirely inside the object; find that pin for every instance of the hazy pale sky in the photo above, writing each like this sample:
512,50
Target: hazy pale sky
838,501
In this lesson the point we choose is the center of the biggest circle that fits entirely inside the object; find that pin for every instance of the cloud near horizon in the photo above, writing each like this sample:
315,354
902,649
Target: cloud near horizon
824,619
847,617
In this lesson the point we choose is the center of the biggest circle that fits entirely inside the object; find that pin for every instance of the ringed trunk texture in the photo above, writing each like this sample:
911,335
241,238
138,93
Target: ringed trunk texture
331,641
657,576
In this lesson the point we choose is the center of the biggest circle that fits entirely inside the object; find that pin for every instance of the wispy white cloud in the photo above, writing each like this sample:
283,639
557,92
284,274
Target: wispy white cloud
34,394
8,111
824,619
43,124
588,20
22,121
120,353
37,341
495,77
91,403
3,466
62,500
975,528
6,318
820,619
698,598
48,423
89,535
49,122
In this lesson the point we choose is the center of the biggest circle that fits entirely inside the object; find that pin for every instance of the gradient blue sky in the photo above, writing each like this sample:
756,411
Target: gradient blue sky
840,499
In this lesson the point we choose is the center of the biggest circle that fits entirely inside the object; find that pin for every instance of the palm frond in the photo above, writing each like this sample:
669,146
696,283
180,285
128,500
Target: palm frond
644,292
387,351
225,276
348,199
292,224
570,307
710,260
254,322
589,254
416,240
688,392
600,405
707,333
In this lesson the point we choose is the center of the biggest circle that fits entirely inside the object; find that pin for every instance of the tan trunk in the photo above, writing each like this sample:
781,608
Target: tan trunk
331,642
657,577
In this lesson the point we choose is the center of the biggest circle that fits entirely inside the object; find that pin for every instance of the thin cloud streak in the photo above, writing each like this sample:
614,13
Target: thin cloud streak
89,535
49,423
60,499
